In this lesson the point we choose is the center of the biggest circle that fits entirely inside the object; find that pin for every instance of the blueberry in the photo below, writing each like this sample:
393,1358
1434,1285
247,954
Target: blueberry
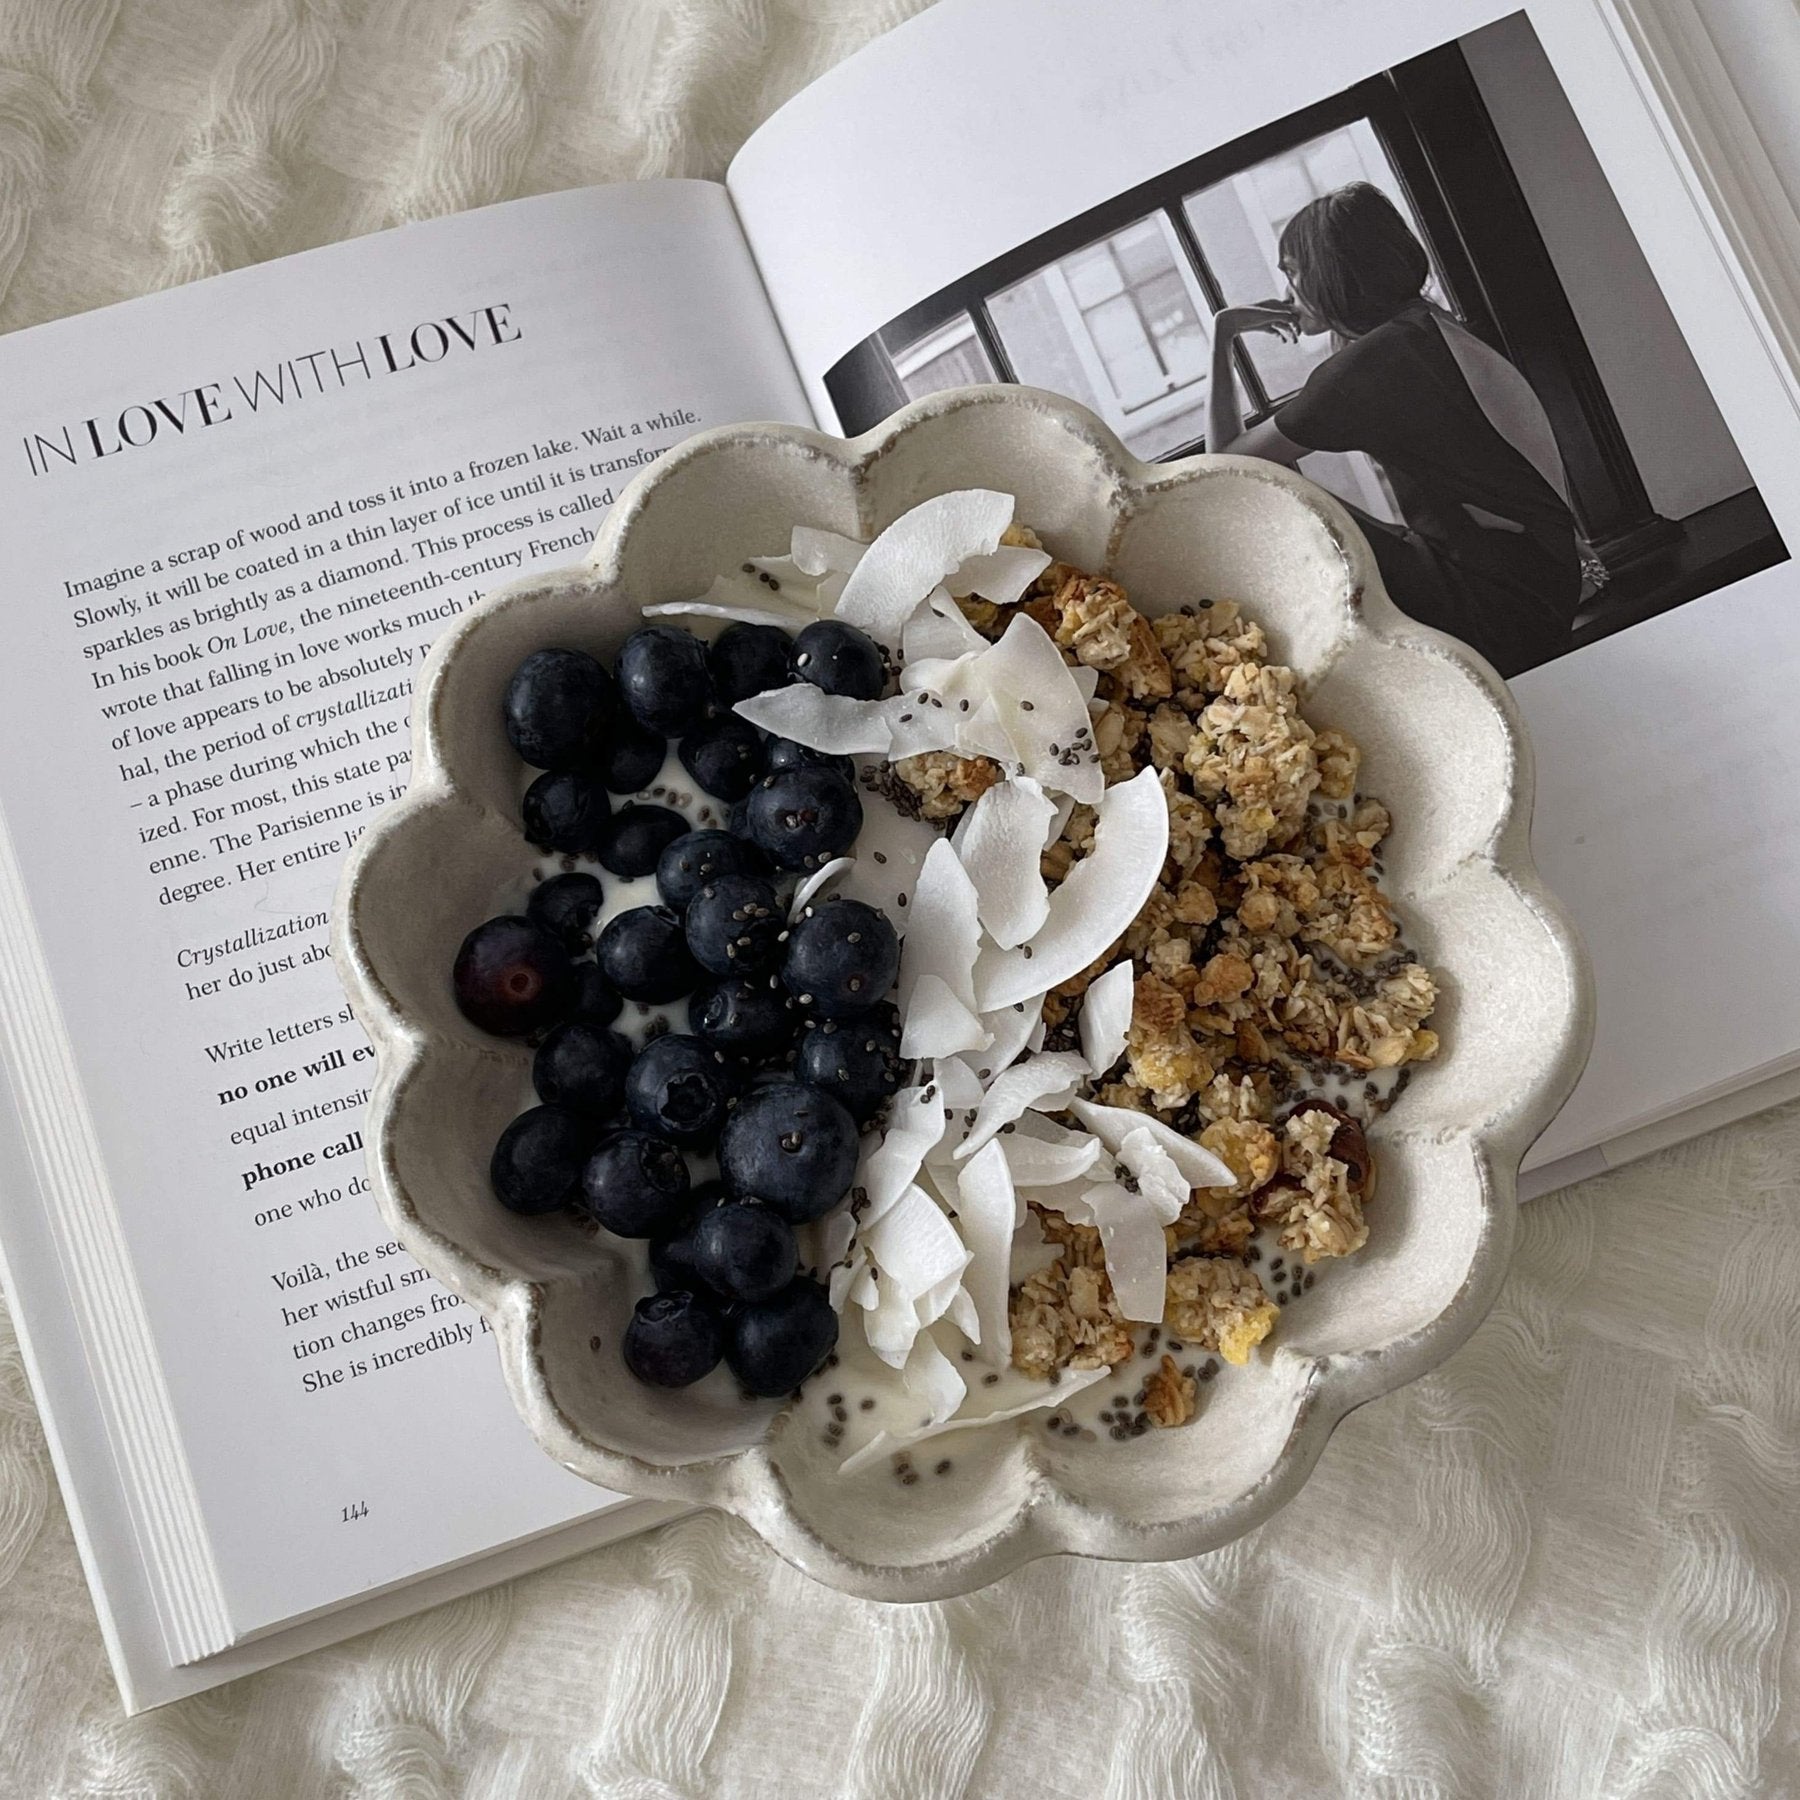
725,756
631,757
745,1252
772,1347
734,926
840,659
749,659
636,836
644,955
536,1166
637,1185
664,680
803,817
858,1060
679,1088
596,1001
566,905
792,1147
512,977
565,811
842,957
672,1258
672,1340
744,1015
689,863
582,1067
558,708
784,753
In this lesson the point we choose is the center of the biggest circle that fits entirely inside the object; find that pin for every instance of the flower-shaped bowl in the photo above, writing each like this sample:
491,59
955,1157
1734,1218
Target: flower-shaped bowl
1443,748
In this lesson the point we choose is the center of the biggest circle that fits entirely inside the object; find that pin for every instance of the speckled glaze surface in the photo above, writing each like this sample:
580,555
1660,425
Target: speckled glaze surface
1442,746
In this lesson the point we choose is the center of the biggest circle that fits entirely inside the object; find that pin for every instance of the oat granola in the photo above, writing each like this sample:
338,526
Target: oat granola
1269,974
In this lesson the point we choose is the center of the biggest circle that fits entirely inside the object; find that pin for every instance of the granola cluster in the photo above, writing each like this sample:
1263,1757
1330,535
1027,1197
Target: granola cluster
1268,971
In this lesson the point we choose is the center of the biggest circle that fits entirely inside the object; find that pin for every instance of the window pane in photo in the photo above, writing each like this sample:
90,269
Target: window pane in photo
1123,327
1239,222
951,356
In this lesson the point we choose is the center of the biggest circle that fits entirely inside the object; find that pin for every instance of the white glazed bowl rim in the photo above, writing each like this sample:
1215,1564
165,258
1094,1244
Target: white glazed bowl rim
749,1482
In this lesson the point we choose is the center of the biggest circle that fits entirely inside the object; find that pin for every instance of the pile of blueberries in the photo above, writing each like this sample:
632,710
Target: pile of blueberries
792,1045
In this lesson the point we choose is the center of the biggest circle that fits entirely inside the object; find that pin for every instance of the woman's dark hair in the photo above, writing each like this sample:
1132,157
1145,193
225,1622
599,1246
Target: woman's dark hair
1356,261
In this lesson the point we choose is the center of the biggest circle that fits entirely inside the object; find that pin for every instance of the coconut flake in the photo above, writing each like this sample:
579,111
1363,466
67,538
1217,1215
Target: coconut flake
938,631
1112,1124
889,1168
834,723
1041,709
943,929
914,1245
823,877
818,552
738,615
1009,1032
1036,1160
999,842
892,1323
985,1214
1106,1017
1159,1181
1101,895
936,1023
1001,576
914,555
931,1378
1137,1254
1043,1083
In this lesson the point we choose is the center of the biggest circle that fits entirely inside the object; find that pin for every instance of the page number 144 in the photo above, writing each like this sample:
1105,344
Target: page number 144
357,1509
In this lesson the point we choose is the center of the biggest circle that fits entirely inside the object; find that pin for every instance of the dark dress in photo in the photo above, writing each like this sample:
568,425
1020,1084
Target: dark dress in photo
1490,550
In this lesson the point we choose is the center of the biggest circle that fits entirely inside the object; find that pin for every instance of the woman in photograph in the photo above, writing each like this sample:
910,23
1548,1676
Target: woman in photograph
1490,551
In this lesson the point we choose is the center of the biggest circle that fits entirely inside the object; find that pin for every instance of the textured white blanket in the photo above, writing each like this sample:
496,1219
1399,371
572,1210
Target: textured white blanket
1563,1565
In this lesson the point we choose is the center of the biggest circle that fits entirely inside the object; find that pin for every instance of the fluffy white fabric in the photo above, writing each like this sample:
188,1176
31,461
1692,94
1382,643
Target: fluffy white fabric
1564,1564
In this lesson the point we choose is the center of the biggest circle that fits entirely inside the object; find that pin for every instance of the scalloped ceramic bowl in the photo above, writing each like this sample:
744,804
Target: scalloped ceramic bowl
1442,746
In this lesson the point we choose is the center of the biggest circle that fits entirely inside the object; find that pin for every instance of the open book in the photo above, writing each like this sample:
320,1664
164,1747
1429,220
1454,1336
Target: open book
234,516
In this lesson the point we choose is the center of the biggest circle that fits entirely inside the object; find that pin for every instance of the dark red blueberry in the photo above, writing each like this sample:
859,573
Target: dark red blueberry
558,708
772,1347
664,680
566,811
512,977
672,1340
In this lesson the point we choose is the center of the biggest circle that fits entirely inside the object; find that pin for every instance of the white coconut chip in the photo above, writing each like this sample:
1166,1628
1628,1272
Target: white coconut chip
817,552
959,1087
1010,1032
1159,1181
914,1244
738,615
1013,1397
1113,1124
938,631
1137,1254
821,878
999,842
834,723
931,1378
1032,1252
936,1023
1039,1161
1042,1083
891,1165
1042,711
1002,576
892,1323
1092,907
914,555
1106,1017
942,927
986,1215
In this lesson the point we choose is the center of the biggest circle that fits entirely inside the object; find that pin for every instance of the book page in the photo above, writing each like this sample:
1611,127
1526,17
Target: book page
1078,198
233,517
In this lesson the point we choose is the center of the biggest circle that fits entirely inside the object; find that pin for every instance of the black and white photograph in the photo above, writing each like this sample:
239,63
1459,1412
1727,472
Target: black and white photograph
1422,293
